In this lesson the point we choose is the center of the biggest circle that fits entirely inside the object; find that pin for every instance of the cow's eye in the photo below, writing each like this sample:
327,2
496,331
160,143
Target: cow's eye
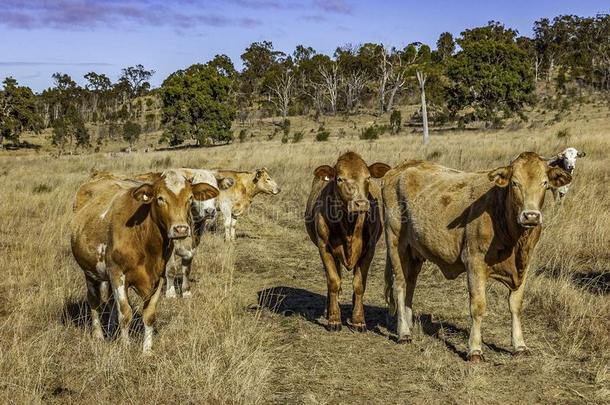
515,183
545,184
340,179
160,200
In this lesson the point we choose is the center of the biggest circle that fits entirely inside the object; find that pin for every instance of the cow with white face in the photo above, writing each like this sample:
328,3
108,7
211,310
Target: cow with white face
567,161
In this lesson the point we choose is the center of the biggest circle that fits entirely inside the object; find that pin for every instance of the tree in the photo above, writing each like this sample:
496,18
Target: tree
490,75
197,104
18,111
131,132
68,122
137,79
98,85
282,90
421,79
445,46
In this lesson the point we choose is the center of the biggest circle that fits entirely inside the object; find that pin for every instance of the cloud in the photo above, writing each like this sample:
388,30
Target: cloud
314,18
334,6
29,63
88,14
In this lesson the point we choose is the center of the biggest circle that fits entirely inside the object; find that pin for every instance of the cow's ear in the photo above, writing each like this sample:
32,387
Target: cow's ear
259,174
144,193
554,161
225,183
500,176
558,177
378,169
204,191
324,172
581,154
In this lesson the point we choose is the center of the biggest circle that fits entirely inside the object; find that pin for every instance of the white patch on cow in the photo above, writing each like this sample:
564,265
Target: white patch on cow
186,294
100,266
120,293
148,337
174,181
171,291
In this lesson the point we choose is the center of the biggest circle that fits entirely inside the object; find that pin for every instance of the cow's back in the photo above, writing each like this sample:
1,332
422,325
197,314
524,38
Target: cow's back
90,224
431,206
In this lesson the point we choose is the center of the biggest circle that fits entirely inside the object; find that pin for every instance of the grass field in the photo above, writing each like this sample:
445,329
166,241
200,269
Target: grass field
254,330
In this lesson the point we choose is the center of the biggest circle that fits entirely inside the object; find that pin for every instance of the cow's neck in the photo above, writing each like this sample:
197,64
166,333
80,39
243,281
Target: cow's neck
251,188
351,231
513,236
154,235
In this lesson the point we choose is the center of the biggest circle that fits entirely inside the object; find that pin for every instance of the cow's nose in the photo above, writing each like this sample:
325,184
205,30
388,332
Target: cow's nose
358,206
531,218
210,212
277,190
179,231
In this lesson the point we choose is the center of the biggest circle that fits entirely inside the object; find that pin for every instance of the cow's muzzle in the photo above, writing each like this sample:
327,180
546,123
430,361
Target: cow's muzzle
530,218
355,206
179,231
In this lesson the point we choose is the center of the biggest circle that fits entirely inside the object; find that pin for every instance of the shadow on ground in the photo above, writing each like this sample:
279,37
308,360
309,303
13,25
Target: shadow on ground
594,282
290,301
77,313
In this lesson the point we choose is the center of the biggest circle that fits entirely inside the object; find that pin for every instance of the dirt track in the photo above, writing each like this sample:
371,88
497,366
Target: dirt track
279,269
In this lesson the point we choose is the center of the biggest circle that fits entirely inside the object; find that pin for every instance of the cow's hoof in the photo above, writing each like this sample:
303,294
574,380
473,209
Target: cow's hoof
170,293
187,294
334,327
359,327
522,351
404,340
476,357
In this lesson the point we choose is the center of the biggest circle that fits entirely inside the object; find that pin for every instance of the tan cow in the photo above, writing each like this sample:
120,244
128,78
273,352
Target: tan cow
235,201
343,219
184,251
486,224
123,234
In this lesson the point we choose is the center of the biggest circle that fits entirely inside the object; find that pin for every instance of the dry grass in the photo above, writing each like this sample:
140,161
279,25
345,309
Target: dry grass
216,348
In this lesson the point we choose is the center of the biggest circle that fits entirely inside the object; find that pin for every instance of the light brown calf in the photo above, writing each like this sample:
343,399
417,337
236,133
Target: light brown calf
123,234
343,219
486,224
235,201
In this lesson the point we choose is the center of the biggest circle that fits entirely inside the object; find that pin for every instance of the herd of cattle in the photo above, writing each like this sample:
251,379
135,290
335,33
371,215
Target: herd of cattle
137,232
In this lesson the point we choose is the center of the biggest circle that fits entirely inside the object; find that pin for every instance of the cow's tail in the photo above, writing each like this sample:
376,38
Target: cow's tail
389,283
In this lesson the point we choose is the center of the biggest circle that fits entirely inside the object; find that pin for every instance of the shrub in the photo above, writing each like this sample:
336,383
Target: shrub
322,135
286,127
395,121
285,138
370,133
563,133
42,188
242,135
297,137
131,132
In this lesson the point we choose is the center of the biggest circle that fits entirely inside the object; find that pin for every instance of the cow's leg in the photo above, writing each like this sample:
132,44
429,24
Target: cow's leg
104,291
119,290
333,283
149,315
360,274
170,274
186,273
95,304
411,267
399,287
228,220
477,278
233,224
515,304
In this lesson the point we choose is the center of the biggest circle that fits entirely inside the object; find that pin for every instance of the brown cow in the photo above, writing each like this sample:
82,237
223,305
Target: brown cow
125,235
235,201
343,220
484,224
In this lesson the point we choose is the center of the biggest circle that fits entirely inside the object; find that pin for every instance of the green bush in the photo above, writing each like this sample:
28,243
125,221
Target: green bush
242,135
395,121
322,135
297,137
563,133
285,138
373,132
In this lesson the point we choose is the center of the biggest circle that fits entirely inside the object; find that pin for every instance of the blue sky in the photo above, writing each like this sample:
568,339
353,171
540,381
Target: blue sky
40,37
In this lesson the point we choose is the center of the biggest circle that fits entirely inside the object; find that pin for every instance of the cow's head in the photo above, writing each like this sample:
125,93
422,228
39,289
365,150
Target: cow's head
264,182
351,177
170,196
567,159
203,210
527,178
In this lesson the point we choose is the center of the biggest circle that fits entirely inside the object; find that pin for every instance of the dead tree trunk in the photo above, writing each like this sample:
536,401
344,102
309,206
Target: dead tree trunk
421,78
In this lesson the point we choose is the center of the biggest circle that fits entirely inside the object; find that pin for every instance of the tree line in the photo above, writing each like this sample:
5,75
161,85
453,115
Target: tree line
487,74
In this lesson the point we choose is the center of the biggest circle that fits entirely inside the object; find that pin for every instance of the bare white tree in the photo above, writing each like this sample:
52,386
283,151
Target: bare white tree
392,77
421,78
282,90
354,83
330,81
